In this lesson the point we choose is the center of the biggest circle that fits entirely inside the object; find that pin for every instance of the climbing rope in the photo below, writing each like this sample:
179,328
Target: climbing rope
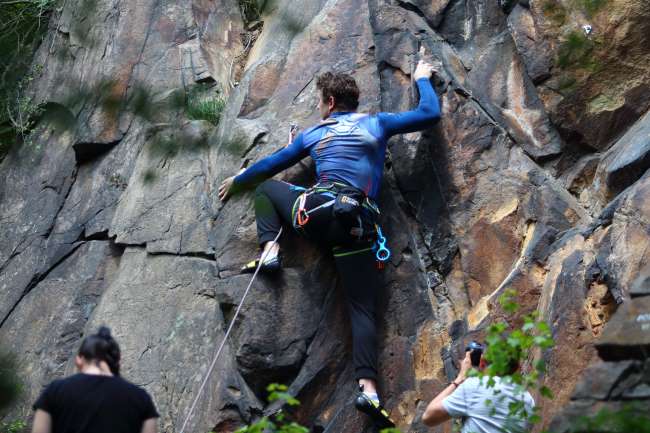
225,337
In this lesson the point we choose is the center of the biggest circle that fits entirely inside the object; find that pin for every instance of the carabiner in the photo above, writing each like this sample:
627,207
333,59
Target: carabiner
303,215
383,253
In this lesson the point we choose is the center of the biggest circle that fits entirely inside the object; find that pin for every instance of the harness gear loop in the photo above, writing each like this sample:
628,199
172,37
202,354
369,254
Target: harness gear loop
225,337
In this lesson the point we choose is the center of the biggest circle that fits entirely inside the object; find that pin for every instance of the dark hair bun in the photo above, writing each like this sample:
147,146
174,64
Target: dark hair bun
104,332
102,347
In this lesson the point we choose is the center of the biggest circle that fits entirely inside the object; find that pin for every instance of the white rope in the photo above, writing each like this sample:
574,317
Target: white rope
225,337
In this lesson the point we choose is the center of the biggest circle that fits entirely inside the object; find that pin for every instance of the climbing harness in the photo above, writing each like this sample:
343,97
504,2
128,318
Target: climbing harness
340,198
225,337
301,217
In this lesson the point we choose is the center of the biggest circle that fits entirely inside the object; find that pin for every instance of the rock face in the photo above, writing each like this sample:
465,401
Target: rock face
535,179
620,383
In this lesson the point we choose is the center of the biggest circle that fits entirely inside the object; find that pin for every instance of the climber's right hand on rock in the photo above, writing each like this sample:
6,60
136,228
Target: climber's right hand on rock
226,188
424,70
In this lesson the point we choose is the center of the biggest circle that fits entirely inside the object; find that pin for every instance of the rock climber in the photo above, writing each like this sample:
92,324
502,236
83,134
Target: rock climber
483,408
340,210
96,399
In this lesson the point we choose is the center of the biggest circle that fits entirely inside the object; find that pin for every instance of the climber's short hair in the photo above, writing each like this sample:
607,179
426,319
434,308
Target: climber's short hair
342,87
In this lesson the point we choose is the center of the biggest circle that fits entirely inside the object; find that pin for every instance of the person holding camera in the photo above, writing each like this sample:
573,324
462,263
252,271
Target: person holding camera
96,399
483,407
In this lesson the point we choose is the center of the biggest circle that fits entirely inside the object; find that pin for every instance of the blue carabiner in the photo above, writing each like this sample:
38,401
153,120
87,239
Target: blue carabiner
383,253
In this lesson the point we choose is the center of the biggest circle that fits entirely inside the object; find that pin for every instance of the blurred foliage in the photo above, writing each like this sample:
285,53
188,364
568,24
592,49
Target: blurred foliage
591,7
164,114
278,423
10,385
161,110
251,10
559,12
508,348
24,25
576,51
555,11
13,427
632,418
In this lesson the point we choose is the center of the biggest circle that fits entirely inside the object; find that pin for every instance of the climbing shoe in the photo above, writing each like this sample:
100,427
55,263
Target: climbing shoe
269,266
375,411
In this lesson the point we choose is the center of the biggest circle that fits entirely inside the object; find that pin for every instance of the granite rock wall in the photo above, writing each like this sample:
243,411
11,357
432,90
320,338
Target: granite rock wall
535,179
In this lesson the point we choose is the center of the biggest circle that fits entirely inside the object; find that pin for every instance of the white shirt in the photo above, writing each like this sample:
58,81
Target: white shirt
486,409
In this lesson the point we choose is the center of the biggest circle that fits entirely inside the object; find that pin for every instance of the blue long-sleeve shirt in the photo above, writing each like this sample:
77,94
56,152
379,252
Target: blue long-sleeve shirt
349,147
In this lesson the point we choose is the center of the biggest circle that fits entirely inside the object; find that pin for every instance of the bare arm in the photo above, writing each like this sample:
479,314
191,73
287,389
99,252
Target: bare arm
42,422
150,426
435,412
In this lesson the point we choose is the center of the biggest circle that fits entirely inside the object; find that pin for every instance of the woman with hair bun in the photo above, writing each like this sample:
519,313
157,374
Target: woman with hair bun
96,399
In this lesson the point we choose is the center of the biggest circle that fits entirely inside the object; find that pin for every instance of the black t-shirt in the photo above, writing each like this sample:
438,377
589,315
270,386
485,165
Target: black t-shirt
87,403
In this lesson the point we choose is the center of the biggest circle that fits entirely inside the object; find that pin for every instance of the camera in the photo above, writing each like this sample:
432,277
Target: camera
476,350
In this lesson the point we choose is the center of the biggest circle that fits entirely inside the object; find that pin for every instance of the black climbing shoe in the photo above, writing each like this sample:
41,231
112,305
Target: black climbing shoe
269,266
375,411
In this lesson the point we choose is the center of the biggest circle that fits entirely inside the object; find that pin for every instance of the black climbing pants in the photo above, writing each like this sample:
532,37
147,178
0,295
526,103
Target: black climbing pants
355,262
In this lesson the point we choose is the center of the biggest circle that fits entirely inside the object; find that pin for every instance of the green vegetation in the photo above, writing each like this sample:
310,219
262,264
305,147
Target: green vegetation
13,427
158,109
24,25
205,103
558,13
10,386
591,7
278,423
251,10
630,419
555,12
575,51
567,83
506,346
149,176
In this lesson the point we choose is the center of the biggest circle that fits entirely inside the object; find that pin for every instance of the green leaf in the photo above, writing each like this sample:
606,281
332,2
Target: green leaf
546,392
528,326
